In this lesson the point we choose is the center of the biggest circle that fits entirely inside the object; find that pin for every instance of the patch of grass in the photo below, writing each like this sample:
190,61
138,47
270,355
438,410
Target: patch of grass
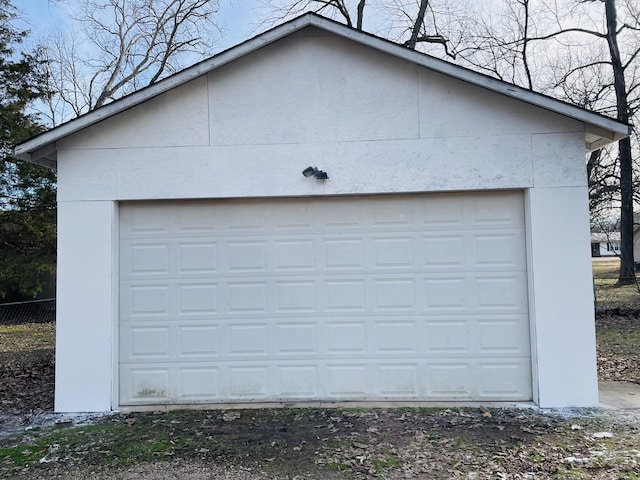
385,461
116,442
609,295
619,337
618,341
113,444
27,337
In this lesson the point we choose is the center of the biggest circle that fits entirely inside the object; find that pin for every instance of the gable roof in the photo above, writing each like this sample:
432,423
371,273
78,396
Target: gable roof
600,130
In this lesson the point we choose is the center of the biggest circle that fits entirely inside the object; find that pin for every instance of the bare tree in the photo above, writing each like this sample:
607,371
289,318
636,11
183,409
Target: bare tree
348,12
580,51
627,273
405,21
614,94
123,45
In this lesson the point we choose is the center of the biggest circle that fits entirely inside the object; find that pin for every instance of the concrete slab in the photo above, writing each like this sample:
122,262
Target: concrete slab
620,395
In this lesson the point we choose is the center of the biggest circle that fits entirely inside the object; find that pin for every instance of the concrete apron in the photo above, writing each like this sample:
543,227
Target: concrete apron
620,395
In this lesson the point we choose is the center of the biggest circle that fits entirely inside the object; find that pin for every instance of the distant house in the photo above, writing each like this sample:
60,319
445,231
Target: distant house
608,244
202,258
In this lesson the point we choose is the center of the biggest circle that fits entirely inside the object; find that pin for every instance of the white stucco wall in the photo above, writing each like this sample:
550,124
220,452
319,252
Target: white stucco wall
86,306
376,124
561,297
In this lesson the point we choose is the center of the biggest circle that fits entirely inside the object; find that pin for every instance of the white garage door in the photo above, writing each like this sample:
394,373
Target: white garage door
404,297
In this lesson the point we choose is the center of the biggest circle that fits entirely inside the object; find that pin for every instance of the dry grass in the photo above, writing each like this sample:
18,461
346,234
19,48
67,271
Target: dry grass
617,324
609,296
27,337
30,343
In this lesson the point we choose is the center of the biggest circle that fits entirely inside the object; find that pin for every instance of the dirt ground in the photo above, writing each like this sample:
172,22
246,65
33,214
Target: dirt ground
338,444
27,383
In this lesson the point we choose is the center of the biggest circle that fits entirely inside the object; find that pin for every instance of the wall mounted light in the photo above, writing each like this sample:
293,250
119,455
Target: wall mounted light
314,172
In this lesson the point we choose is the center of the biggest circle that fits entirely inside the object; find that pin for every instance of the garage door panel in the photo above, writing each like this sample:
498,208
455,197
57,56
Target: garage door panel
347,380
445,251
148,221
443,212
149,300
395,295
394,252
295,255
503,250
248,382
141,384
197,299
339,215
450,380
503,380
398,297
379,338
246,297
498,211
498,292
149,343
197,257
436,379
298,381
237,218
297,339
342,253
294,297
199,342
148,259
480,293
502,336
398,380
198,383
397,337
247,340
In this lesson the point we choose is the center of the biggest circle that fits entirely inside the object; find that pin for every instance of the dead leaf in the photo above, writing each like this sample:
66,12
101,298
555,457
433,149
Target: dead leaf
230,416
130,422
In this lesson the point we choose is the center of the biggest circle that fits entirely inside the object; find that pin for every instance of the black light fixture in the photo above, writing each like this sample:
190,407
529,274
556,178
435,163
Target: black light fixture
314,172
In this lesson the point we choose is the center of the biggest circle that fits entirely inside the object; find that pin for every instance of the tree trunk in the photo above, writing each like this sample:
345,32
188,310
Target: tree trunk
415,32
626,275
361,6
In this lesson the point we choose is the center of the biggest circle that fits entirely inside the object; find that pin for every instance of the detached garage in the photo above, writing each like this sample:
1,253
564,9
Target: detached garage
445,258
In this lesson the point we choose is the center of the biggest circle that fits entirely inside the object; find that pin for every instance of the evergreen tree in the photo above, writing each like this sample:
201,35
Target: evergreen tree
27,191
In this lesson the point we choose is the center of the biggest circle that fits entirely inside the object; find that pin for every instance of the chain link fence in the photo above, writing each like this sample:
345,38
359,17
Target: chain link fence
33,311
